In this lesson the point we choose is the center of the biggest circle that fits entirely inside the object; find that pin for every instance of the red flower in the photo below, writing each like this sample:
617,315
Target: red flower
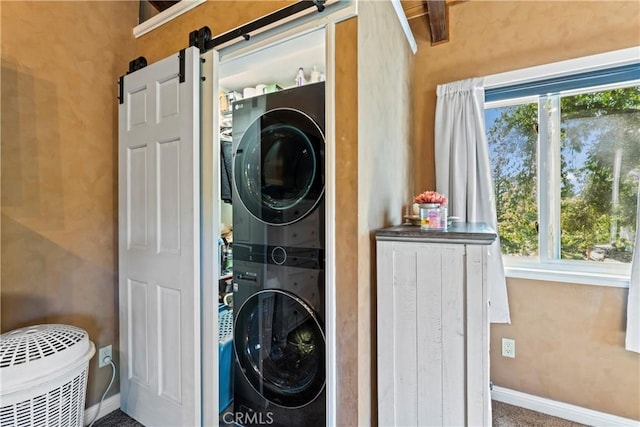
430,197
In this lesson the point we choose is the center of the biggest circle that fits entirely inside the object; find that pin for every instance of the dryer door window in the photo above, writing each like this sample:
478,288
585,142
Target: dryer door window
280,347
279,166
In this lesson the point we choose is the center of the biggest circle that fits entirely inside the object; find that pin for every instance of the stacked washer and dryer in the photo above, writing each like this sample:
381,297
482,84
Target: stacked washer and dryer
279,257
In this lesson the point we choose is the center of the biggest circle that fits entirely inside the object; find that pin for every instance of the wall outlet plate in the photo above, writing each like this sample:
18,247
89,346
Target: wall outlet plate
509,348
104,353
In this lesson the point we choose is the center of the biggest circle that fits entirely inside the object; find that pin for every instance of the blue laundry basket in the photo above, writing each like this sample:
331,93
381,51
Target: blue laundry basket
225,340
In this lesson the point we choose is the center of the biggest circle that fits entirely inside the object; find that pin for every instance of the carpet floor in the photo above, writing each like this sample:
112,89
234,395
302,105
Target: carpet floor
504,415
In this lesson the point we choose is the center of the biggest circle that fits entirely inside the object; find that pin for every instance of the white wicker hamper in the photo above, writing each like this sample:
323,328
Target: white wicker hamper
43,376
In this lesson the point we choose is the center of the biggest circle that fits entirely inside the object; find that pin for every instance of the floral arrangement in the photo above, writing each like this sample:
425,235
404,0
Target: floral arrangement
430,197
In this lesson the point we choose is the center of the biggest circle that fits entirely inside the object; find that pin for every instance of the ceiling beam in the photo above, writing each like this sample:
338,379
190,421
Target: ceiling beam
438,23
436,13
161,5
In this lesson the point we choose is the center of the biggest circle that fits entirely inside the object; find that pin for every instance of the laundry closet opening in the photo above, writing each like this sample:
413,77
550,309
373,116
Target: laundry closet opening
266,115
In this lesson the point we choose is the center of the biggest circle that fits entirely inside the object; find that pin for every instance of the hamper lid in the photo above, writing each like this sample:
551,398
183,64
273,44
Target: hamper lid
34,352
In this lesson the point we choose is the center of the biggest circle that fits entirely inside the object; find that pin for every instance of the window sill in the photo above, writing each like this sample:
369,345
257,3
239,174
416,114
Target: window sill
547,273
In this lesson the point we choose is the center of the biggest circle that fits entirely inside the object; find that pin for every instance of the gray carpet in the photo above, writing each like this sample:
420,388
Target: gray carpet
117,418
503,416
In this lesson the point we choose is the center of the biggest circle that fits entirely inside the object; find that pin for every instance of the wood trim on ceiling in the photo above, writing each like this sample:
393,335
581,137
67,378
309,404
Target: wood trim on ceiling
414,9
165,16
161,5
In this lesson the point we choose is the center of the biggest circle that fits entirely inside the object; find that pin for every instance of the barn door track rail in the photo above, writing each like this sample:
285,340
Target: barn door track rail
202,38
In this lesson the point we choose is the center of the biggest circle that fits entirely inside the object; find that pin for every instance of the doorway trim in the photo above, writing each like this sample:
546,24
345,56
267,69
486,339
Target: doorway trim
210,185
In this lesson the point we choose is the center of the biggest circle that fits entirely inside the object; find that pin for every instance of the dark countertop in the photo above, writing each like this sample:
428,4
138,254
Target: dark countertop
477,233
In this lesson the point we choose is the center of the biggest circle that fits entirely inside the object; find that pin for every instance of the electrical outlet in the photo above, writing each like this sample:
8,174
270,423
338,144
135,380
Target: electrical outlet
509,348
104,353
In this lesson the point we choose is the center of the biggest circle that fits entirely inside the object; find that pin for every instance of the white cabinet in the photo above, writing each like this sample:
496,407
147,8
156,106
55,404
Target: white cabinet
433,326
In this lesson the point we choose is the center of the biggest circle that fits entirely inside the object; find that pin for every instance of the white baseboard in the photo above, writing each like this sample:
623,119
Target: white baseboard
109,405
558,409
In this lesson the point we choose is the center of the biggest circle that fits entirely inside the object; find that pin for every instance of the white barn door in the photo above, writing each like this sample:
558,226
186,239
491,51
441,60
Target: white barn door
159,242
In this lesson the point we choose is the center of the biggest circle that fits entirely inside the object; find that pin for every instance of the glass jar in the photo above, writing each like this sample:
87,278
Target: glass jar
433,216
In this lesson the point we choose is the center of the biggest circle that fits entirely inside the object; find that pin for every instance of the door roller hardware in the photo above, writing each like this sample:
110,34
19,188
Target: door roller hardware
135,65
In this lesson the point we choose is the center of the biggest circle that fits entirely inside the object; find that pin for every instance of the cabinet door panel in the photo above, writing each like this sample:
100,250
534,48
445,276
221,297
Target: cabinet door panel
478,395
405,316
432,334
429,338
453,333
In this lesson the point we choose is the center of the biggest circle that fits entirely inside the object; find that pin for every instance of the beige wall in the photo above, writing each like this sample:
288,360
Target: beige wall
60,63
347,168
384,121
569,338
569,346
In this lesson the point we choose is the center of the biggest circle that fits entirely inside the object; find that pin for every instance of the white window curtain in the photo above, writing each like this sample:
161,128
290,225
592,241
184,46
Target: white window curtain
633,304
463,173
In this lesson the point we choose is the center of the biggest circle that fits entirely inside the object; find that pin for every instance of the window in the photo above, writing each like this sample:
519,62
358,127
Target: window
565,159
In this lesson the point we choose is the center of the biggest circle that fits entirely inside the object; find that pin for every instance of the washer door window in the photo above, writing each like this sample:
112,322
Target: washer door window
280,347
279,166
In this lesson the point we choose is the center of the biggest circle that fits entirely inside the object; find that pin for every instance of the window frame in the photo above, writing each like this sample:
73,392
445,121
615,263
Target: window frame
548,266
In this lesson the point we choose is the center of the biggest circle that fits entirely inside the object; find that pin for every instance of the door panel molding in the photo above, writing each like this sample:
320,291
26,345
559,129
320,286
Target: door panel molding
159,245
